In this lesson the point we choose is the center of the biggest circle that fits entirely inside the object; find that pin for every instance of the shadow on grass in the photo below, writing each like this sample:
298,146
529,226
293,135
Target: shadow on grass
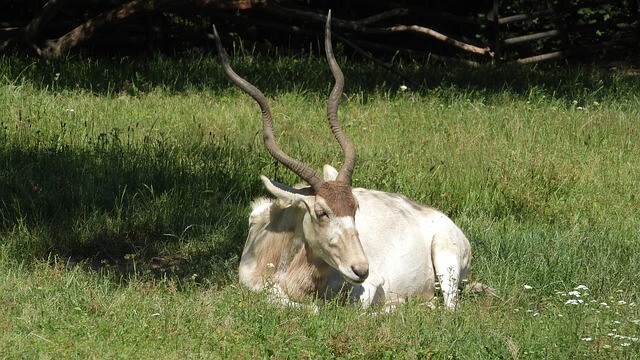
153,210
201,72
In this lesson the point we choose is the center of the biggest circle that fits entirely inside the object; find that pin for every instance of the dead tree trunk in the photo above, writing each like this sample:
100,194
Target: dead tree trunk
131,10
56,48
48,12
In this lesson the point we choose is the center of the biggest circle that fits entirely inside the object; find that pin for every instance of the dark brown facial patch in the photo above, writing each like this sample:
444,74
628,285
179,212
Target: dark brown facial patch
339,198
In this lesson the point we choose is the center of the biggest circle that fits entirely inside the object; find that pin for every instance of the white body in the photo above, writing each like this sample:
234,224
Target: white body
409,247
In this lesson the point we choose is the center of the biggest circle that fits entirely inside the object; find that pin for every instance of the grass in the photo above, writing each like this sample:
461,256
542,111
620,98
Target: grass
125,187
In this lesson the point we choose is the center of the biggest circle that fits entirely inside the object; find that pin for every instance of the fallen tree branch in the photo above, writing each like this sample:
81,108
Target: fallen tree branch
359,26
439,36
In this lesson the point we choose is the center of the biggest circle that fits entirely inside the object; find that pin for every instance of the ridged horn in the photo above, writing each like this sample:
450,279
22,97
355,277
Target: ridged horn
298,167
332,110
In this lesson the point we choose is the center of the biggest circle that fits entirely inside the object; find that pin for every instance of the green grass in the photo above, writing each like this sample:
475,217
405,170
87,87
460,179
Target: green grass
125,189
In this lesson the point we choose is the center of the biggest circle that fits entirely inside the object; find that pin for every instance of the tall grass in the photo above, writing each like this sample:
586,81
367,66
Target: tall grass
125,187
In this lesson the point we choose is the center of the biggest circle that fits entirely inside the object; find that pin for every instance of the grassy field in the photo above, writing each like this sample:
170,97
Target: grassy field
125,189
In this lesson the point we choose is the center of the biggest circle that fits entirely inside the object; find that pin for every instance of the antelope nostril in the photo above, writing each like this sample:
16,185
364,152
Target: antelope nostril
361,272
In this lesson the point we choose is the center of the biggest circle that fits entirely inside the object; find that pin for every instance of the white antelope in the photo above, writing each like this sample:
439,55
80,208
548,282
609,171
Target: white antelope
318,240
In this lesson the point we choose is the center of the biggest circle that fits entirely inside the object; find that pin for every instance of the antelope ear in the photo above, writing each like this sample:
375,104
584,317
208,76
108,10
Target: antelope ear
330,173
285,192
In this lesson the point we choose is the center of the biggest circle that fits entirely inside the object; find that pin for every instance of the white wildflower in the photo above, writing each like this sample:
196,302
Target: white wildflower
403,87
574,302
574,293
581,287
528,287
587,339
270,265
625,344
622,302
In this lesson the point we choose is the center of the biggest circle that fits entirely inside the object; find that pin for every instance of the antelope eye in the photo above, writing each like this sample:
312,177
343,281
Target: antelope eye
322,215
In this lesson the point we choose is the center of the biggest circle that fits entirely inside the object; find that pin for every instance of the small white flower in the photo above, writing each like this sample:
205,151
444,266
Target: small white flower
622,302
270,265
637,321
581,287
528,287
580,108
70,110
573,302
536,314
625,344
574,293
586,339
403,87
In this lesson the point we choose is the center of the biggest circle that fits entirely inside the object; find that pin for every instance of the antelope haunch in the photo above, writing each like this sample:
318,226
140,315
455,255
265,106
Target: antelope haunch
319,240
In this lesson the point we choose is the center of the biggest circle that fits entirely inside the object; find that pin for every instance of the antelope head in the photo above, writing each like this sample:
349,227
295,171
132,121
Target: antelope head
329,205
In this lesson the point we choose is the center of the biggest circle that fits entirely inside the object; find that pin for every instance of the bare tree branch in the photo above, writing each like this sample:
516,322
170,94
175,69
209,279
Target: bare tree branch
436,35
360,26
